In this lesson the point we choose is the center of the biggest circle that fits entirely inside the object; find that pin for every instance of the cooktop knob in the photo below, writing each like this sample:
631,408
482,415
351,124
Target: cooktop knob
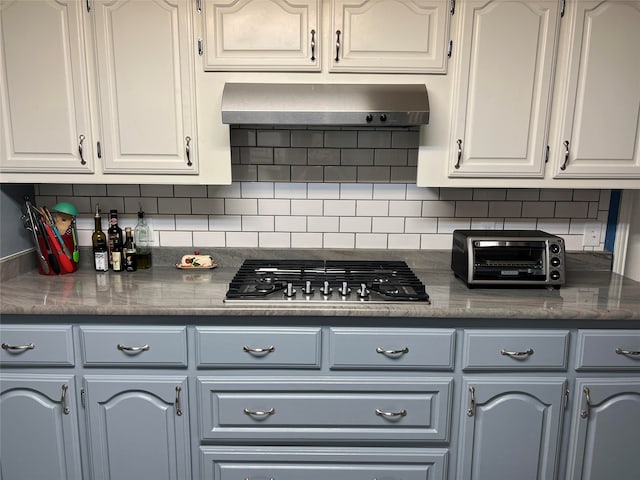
290,291
345,290
307,289
326,289
364,291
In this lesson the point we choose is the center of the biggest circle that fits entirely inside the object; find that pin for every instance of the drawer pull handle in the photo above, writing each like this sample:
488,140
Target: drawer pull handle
402,351
472,408
401,413
258,351
260,413
178,407
508,353
18,348
247,478
585,413
619,351
63,399
124,348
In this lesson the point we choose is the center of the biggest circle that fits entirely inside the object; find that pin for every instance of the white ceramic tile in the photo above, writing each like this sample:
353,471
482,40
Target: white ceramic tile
322,224
339,240
161,222
472,209
490,223
404,241
209,239
573,243
256,190
306,240
290,190
84,237
224,191
274,240
268,206
405,208
190,191
456,193
89,190
324,191
123,190
538,209
306,207
355,224
523,194
390,191
371,240
242,239
436,241
555,226
241,206
208,206
176,239
593,209
255,223
421,225
520,223
489,193
370,208
340,207
422,193
572,209
168,205
448,225
192,222
505,209
438,208
581,195
225,223
605,199
290,224
149,205
356,191
388,225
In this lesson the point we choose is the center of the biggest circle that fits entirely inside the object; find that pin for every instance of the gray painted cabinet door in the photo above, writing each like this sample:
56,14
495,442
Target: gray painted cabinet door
138,427
39,428
511,428
604,430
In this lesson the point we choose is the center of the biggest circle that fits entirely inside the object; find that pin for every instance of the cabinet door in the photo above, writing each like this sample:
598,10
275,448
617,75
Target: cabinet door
138,427
390,36
505,57
38,427
604,431
44,88
510,427
275,35
145,67
600,101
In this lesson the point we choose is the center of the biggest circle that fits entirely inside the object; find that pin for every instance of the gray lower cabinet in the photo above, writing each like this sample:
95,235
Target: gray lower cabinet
39,427
511,427
138,427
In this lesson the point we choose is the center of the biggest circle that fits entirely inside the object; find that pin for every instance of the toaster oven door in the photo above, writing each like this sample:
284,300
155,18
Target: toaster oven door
505,261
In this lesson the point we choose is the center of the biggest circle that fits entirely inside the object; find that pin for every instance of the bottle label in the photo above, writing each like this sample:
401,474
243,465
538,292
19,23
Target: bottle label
117,261
101,260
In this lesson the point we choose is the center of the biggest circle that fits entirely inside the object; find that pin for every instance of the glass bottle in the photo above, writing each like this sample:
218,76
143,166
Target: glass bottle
100,246
129,250
143,242
115,243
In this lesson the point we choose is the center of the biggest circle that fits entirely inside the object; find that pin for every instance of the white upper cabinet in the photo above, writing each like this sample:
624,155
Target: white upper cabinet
146,85
389,36
44,89
271,35
502,88
599,99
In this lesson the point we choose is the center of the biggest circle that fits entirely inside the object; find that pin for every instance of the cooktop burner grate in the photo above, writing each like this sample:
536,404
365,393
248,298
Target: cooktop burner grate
325,281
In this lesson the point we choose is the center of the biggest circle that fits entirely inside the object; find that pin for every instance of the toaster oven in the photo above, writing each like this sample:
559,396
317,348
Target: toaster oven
508,257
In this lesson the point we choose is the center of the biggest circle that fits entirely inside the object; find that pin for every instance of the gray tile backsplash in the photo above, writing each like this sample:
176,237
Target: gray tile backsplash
337,188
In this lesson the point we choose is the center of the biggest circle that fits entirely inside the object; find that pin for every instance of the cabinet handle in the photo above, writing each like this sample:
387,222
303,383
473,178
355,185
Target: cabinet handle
259,413
402,351
258,351
472,408
88,6
401,413
566,155
338,32
178,408
18,348
198,7
313,45
187,150
124,348
620,351
82,160
508,353
459,142
63,399
587,394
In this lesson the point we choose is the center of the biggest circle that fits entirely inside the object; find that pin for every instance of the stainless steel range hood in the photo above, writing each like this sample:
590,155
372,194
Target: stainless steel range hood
325,104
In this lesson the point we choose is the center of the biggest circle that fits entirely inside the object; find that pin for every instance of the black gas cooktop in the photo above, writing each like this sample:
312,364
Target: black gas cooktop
322,281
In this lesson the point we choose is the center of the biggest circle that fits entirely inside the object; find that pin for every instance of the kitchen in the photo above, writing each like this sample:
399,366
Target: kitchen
348,190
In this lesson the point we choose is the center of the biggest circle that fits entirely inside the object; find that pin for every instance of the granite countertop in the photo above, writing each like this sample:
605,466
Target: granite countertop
591,292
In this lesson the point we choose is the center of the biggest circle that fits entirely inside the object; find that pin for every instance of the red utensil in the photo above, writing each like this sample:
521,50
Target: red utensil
65,262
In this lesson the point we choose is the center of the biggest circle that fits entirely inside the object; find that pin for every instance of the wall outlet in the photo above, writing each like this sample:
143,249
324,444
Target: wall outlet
592,232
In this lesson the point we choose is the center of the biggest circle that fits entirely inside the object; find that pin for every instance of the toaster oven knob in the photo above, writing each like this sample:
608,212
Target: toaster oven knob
290,291
307,289
363,292
344,289
555,248
326,289
555,262
555,275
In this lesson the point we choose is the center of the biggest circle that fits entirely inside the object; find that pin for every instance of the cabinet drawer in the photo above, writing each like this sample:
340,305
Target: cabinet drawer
276,409
321,463
134,346
608,350
36,345
515,350
382,348
233,347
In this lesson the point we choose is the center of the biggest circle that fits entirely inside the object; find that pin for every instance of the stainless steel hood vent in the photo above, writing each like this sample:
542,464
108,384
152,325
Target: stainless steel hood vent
325,104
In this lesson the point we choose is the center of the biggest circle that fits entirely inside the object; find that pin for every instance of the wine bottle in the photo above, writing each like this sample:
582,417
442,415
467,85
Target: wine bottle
115,243
129,250
99,242
143,242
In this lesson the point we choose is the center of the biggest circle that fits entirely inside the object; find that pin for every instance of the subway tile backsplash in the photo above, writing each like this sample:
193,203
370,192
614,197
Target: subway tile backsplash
338,188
